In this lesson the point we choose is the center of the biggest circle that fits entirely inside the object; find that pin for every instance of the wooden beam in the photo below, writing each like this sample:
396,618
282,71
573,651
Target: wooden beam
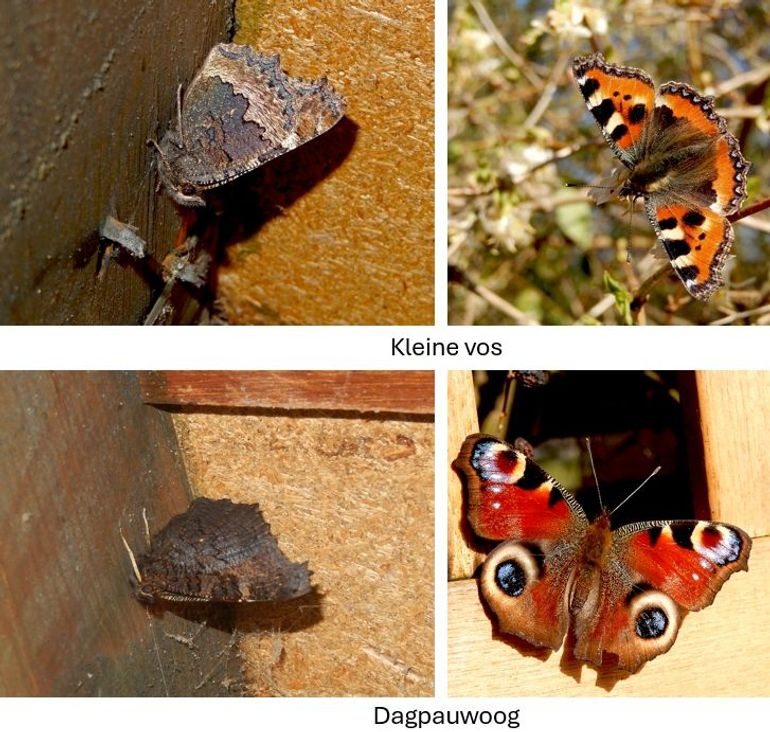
406,392
734,416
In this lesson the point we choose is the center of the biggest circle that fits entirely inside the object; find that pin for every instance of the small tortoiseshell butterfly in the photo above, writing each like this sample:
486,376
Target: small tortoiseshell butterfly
680,158
622,591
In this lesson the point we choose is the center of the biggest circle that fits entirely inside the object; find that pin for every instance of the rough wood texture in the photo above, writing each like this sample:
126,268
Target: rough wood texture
408,392
355,498
86,85
731,634
341,230
720,651
82,456
463,421
734,411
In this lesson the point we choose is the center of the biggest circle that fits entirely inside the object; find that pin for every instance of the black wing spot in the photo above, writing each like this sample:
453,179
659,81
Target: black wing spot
533,477
675,247
688,273
618,132
651,623
603,111
638,113
682,534
693,218
589,87
511,578
554,497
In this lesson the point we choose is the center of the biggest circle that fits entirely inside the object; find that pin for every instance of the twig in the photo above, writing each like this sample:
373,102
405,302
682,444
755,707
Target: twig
503,45
739,316
550,89
755,76
645,288
601,307
462,278
749,210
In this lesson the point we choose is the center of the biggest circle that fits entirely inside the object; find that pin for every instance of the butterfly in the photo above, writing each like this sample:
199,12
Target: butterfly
217,551
622,592
679,156
240,111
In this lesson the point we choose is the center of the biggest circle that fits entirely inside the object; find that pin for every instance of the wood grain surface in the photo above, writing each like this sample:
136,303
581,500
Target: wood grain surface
407,392
354,497
78,106
341,230
734,411
463,421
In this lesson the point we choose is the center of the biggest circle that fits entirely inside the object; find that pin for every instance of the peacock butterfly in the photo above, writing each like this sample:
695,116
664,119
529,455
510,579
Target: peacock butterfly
622,592
217,551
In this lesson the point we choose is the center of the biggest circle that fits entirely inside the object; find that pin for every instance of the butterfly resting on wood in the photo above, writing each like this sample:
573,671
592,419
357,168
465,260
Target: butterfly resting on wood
239,112
217,551
679,156
622,592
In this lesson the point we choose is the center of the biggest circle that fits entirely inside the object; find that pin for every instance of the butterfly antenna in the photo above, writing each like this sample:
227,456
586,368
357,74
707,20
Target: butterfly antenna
593,470
146,526
179,113
588,185
643,483
131,556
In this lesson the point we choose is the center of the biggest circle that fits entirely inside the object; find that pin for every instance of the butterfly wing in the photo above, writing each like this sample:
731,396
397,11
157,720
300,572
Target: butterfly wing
621,99
241,111
696,177
525,580
697,241
654,571
222,552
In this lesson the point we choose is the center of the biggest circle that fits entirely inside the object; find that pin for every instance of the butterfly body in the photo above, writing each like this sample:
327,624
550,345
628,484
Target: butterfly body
679,156
621,591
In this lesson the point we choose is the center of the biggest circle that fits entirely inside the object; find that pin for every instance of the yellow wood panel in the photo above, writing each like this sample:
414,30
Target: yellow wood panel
735,422
721,651
462,421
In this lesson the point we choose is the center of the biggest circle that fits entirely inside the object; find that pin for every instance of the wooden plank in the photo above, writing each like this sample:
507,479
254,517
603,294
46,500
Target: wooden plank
82,456
406,392
734,411
462,421
78,108
720,651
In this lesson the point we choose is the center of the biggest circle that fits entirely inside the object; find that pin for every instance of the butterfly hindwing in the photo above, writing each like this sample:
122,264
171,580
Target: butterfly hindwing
655,573
218,551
